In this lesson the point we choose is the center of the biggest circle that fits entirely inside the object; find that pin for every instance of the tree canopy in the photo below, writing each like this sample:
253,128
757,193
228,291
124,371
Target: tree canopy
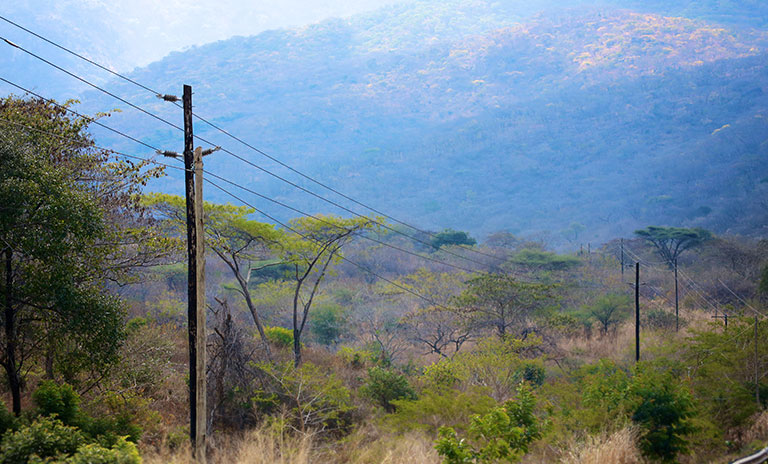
671,242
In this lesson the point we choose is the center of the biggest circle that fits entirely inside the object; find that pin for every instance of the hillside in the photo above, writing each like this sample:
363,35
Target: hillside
486,116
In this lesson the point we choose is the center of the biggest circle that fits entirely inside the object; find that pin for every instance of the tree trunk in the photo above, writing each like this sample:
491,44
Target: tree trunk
11,368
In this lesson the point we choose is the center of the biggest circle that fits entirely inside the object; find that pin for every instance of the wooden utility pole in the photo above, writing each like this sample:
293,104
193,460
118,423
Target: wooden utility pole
622,260
193,177
724,317
637,312
757,379
677,304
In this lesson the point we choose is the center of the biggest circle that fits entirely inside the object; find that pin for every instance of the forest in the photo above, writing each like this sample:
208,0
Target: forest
487,116
356,339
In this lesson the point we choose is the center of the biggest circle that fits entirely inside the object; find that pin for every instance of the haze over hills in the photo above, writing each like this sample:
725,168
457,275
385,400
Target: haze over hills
588,122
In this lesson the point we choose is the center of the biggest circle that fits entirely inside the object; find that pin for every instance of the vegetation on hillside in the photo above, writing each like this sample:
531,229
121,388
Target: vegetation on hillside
327,347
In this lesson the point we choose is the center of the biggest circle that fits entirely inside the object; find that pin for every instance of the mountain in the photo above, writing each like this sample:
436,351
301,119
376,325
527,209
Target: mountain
586,121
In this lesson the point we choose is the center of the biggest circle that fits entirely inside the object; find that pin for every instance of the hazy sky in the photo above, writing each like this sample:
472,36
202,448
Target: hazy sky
129,33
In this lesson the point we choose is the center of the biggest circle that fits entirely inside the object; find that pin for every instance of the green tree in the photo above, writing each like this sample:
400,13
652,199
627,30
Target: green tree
501,301
437,325
69,223
671,242
232,236
311,251
452,237
328,323
385,386
609,310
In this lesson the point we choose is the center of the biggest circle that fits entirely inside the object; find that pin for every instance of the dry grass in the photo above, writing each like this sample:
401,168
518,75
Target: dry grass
413,448
617,448
269,446
758,432
261,446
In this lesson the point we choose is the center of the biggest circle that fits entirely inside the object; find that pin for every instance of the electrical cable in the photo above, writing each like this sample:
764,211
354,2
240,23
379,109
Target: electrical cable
294,185
320,219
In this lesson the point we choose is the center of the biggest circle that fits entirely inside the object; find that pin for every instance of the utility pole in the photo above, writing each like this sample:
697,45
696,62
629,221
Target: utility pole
622,260
637,312
724,317
193,177
757,379
677,304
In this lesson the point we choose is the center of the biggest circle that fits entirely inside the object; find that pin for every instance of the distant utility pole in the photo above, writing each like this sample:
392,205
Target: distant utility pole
724,317
677,304
637,312
622,260
757,379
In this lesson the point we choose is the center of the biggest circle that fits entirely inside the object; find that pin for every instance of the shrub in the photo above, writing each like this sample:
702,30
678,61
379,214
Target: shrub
122,452
7,421
45,438
356,359
439,407
386,385
662,320
662,409
279,336
503,434
57,400
327,323
309,398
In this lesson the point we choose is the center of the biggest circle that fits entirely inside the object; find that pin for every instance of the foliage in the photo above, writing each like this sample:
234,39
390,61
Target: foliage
7,420
502,435
610,310
308,398
70,222
658,318
502,302
310,252
722,370
496,365
439,407
384,386
451,237
57,400
279,336
231,234
44,438
328,323
539,260
434,322
356,359
662,410
671,242
122,452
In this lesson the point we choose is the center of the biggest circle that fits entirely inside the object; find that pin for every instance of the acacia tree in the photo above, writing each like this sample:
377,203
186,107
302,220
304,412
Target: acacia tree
67,218
433,321
232,236
310,251
671,242
609,310
501,301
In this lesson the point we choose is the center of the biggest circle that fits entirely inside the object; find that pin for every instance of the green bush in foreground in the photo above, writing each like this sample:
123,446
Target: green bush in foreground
502,435
48,440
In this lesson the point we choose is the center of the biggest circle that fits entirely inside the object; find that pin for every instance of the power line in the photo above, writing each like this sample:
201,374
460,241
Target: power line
740,298
247,145
284,205
695,292
305,237
85,81
320,219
